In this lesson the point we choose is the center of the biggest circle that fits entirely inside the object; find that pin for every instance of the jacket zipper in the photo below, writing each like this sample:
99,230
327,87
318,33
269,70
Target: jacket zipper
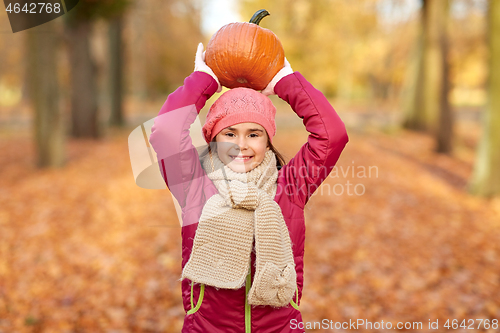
248,322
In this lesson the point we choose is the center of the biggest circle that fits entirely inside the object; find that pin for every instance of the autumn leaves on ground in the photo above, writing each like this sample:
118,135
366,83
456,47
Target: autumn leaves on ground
84,249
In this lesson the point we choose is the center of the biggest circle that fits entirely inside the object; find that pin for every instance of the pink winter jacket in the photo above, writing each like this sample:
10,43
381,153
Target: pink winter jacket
226,310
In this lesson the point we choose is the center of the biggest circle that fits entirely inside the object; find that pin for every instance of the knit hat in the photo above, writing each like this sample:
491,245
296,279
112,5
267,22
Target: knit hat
240,105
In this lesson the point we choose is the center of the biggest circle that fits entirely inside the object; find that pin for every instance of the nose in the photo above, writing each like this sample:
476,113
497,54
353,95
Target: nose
242,142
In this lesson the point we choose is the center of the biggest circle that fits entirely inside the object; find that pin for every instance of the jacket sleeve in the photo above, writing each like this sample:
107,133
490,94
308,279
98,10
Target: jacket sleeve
177,157
305,172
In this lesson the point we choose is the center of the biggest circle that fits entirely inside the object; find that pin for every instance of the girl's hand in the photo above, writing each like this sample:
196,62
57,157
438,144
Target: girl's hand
286,70
201,66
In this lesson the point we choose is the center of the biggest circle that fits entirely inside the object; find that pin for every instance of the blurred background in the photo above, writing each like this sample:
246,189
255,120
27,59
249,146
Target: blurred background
84,249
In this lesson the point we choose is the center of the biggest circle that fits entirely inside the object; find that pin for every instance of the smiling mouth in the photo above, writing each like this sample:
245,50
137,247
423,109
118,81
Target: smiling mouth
240,158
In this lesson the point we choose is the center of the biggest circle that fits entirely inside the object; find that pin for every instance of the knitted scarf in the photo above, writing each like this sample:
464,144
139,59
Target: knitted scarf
244,207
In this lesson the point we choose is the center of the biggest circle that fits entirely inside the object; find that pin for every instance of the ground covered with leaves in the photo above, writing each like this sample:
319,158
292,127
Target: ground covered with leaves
84,249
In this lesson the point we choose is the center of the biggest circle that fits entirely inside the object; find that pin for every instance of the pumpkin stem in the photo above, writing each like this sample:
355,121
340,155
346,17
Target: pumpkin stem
259,15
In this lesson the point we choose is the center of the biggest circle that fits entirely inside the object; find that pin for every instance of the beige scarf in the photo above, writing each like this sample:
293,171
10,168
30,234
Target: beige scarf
244,207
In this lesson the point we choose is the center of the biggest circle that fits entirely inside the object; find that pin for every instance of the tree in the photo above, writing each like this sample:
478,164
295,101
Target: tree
42,45
444,134
486,176
84,105
116,70
427,98
84,116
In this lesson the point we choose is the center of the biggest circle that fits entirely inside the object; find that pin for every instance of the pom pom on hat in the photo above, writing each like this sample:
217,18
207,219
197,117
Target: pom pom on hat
240,105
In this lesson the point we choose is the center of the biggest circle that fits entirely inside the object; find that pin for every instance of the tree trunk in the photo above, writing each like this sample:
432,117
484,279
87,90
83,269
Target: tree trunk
424,112
137,66
486,176
413,117
444,135
42,45
116,70
84,111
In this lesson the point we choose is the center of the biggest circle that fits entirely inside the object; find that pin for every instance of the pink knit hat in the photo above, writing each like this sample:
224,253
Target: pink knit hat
240,105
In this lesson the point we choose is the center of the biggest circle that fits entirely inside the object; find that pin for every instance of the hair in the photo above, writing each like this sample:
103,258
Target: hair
280,160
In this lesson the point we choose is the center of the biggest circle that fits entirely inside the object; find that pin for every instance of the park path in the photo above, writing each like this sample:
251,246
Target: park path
83,249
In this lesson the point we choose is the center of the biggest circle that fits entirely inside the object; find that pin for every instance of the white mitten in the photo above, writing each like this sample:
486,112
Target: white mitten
201,66
286,70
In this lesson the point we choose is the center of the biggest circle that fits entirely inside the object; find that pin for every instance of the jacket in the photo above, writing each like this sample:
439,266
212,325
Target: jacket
226,310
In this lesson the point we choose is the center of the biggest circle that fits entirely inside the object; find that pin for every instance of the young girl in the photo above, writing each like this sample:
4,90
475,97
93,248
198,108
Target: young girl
242,207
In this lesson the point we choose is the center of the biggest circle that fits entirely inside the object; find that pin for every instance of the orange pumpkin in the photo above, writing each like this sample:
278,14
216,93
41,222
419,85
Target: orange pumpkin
244,54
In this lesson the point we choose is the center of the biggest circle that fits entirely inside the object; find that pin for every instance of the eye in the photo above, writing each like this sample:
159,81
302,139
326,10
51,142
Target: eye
255,135
229,134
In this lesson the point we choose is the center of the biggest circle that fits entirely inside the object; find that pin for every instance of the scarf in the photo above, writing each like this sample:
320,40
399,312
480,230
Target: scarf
243,208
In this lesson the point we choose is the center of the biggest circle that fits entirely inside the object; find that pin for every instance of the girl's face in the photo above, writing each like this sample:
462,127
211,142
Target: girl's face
242,147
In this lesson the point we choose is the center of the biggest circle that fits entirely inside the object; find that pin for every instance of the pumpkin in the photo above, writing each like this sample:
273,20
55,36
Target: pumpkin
243,54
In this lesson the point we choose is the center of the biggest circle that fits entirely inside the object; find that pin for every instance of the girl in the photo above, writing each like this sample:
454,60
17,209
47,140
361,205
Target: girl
242,207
